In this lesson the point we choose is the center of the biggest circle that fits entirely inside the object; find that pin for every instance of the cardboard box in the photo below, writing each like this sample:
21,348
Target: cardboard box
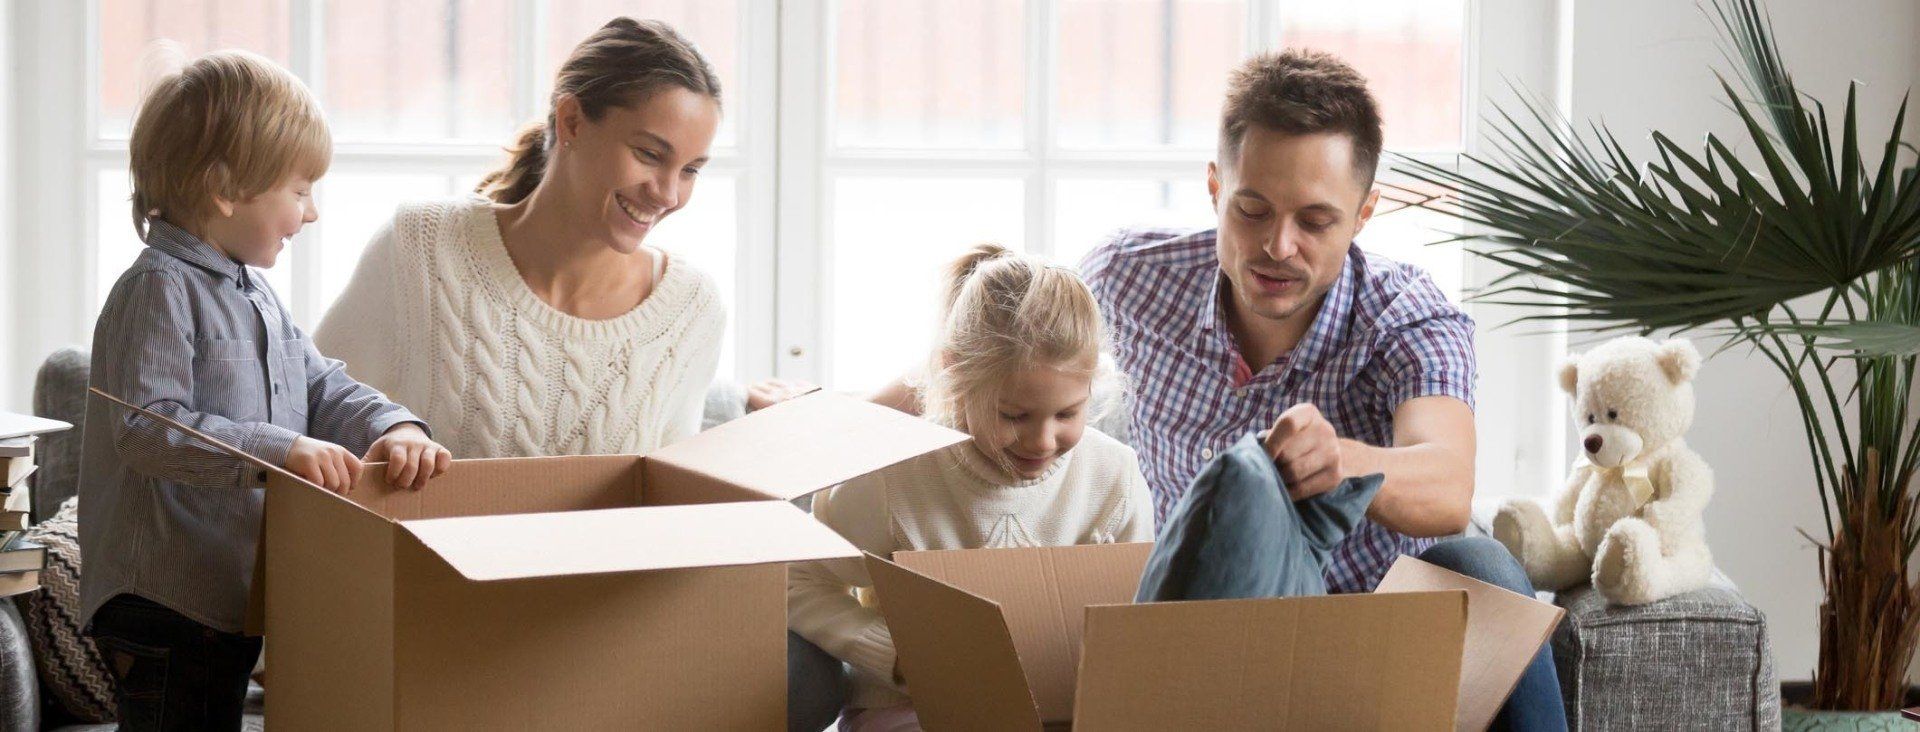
588,592
1027,639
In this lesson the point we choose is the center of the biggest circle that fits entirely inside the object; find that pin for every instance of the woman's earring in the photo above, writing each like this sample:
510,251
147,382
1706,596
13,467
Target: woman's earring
568,143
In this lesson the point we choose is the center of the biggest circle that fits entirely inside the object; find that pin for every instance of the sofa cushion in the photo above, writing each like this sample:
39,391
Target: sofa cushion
72,672
59,392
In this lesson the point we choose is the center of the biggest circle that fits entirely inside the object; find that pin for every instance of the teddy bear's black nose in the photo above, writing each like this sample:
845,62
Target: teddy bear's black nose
1593,443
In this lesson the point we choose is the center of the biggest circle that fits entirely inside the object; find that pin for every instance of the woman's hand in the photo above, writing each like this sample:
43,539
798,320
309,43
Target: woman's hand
763,394
412,458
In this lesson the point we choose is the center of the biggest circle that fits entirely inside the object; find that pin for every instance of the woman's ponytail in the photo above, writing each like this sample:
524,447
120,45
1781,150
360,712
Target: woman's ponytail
526,162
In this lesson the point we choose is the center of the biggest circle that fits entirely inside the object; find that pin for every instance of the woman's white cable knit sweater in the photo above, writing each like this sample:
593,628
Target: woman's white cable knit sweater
438,317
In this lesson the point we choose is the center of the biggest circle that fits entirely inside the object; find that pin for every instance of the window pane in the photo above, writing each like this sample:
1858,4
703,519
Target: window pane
1410,52
419,70
353,207
1409,235
706,234
892,237
1145,73
1087,211
128,28
930,74
118,244
712,26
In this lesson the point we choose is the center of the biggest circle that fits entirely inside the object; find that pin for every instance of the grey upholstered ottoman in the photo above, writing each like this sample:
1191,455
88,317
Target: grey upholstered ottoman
1697,661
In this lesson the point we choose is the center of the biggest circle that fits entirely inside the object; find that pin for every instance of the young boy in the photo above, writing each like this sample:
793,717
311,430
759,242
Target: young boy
224,157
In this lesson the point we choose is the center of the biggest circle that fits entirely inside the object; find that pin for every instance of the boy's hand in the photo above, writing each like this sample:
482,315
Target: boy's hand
325,463
412,458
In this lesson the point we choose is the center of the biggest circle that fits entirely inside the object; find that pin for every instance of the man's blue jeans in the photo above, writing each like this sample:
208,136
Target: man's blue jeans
1536,703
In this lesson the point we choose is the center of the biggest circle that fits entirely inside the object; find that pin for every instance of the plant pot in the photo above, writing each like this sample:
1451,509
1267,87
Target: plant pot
1794,717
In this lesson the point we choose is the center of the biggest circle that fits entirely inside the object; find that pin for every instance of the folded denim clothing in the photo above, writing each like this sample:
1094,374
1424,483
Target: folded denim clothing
1235,534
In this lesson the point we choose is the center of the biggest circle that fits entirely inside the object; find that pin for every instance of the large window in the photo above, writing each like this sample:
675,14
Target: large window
1045,125
911,129
865,142
422,96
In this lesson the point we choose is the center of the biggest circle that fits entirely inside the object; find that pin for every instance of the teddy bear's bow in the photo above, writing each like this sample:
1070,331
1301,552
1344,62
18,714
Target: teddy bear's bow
1635,475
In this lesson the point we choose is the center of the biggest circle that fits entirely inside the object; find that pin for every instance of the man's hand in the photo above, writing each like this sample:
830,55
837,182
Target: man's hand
763,394
1304,446
322,462
412,458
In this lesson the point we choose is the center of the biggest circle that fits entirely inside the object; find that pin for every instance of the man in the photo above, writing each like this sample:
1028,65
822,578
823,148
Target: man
1358,364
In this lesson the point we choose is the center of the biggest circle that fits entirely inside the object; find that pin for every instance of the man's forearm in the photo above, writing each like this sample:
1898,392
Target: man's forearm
1428,489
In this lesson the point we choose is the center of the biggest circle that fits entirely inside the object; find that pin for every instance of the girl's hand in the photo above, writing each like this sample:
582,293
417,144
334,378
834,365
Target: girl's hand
322,462
412,458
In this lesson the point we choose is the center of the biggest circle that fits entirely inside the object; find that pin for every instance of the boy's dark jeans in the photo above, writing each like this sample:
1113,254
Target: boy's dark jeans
170,672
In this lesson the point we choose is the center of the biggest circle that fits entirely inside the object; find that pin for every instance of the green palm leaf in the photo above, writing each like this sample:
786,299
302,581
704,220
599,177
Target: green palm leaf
1699,238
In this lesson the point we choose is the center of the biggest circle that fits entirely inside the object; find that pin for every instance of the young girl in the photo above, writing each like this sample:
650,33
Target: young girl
1014,367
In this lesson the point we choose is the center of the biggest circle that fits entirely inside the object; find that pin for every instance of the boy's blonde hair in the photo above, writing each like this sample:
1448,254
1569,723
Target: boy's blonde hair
1005,312
230,124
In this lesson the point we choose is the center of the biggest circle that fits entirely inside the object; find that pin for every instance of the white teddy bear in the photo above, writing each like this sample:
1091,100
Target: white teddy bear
1630,516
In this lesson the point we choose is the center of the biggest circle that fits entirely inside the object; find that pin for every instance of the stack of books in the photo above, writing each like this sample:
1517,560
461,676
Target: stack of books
20,564
20,560
16,464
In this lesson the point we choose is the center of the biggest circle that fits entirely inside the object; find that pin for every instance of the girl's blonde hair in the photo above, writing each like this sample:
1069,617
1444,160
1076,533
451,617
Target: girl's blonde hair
230,124
1004,312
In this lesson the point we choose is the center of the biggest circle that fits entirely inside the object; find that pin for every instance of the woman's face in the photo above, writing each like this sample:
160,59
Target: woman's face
635,165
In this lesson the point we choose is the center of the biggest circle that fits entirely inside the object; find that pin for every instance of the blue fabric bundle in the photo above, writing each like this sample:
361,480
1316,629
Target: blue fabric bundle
1236,535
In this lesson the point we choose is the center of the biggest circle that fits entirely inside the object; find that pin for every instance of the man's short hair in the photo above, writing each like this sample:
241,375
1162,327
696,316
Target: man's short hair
230,124
1301,92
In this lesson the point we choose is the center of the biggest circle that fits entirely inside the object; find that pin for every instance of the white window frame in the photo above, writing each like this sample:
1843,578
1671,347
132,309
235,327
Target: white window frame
782,159
1520,418
64,37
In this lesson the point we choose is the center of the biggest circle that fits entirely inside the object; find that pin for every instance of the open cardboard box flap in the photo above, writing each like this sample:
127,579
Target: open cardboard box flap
1504,631
530,517
804,444
1041,593
484,548
1430,649
956,647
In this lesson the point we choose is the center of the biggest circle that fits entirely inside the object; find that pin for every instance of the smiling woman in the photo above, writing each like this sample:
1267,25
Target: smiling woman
534,319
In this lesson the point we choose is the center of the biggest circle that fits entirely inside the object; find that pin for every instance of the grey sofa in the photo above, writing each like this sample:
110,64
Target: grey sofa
1698,661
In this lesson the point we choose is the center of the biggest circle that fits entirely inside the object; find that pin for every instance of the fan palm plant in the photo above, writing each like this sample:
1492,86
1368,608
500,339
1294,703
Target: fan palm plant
1802,249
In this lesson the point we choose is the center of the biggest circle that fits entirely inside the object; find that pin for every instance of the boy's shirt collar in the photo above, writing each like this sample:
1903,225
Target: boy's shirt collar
178,243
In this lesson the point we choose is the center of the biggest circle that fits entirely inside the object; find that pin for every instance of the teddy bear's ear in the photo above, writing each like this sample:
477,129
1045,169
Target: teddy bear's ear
1679,360
1569,373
